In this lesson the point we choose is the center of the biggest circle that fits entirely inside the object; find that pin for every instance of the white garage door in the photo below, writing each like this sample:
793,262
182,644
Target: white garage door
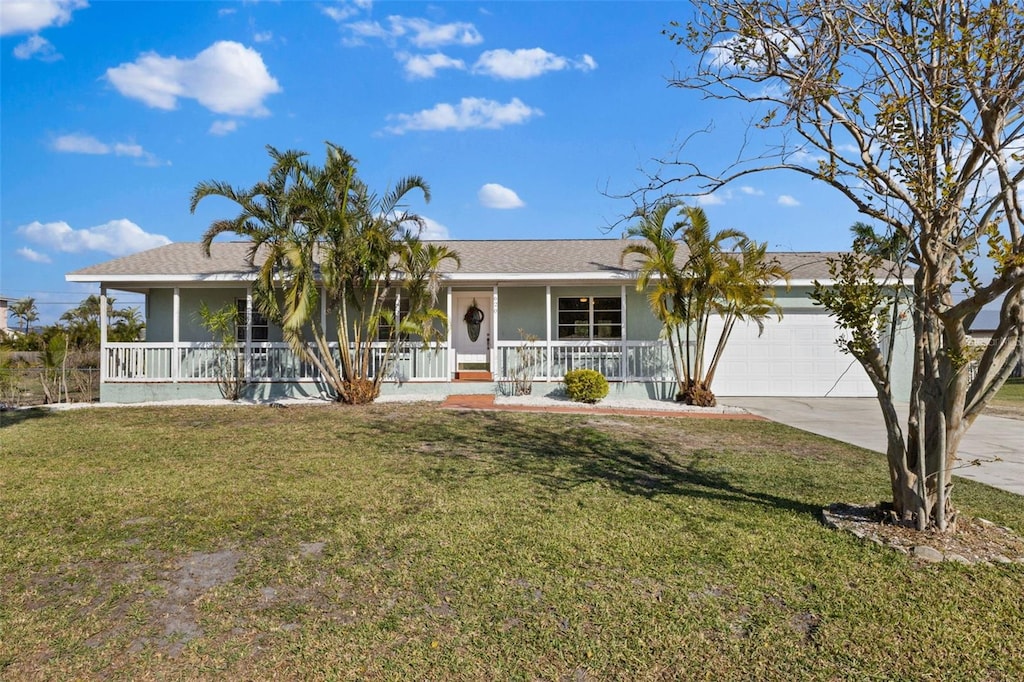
795,357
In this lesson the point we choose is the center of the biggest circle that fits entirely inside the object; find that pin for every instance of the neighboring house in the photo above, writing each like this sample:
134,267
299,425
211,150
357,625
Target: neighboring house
982,328
572,295
4,306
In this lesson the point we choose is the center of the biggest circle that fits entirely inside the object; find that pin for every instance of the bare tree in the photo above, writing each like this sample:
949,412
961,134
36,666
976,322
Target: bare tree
913,112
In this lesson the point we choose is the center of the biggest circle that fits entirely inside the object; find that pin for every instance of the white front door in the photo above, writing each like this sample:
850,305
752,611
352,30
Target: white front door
468,350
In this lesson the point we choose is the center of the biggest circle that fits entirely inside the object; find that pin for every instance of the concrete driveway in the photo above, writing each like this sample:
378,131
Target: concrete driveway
859,421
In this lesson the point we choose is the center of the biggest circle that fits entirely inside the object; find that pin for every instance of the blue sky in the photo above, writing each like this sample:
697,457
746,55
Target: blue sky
522,116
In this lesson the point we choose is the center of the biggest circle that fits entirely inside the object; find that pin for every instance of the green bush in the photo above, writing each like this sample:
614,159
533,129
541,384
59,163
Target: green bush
585,385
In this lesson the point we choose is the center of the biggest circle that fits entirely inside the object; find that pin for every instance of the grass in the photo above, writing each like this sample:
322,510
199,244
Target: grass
397,542
1012,393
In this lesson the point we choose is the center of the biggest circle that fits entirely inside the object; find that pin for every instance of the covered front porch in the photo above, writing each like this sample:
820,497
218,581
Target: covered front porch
531,332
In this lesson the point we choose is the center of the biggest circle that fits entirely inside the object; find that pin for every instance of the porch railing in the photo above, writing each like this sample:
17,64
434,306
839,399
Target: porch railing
276,362
617,360
265,362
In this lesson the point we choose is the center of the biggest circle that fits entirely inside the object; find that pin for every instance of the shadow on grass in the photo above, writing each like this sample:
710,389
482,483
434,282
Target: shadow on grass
15,417
563,452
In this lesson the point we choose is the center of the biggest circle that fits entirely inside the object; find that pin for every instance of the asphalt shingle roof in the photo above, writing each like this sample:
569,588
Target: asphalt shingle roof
589,258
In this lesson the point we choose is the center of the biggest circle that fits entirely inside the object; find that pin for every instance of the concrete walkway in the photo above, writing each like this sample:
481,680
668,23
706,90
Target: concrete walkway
859,421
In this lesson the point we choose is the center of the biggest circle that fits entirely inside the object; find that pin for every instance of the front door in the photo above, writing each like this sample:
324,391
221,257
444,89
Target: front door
471,353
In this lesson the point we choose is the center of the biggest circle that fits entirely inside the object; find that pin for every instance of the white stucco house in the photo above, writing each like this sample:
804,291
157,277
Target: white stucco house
574,296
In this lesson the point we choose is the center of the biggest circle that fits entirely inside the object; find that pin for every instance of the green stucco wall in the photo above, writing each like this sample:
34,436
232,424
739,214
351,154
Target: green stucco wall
520,308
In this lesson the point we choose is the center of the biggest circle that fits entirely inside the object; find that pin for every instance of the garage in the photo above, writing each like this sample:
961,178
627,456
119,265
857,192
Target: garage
796,357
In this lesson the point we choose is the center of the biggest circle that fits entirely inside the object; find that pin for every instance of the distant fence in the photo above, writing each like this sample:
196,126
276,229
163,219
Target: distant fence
26,386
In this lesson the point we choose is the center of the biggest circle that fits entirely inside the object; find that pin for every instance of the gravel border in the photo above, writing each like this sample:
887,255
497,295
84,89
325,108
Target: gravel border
536,401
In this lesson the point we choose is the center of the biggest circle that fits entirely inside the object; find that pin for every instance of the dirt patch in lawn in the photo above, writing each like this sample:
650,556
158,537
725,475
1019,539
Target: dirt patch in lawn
175,610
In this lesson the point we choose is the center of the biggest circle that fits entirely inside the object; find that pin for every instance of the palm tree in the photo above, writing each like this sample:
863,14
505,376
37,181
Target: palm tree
128,325
324,233
25,310
420,267
691,274
660,276
748,294
708,271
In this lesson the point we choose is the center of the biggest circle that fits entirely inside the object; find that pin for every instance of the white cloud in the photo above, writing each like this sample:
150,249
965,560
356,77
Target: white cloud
470,112
712,199
751,191
423,33
226,11
342,11
38,47
427,65
420,32
117,237
786,200
80,144
433,229
223,127
77,143
493,195
29,16
263,37
226,78
33,256
527,63
133,150
747,52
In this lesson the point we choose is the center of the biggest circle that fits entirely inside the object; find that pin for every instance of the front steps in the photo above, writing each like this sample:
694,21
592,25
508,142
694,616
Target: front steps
473,375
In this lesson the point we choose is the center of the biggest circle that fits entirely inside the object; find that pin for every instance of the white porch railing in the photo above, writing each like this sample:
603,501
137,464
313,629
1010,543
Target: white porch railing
267,362
276,362
616,360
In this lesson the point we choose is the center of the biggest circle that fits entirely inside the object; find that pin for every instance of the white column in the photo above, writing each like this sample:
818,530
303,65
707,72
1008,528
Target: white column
323,323
323,310
248,331
176,337
450,341
624,363
103,334
547,330
494,328
398,312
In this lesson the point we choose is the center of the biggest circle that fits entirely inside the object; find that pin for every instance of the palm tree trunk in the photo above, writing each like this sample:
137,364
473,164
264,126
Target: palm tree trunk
727,326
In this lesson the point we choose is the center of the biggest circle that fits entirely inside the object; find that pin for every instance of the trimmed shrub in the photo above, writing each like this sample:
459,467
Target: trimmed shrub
585,385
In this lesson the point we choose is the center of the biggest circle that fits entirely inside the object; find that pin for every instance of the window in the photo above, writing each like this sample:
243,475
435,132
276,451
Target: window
260,326
590,317
384,330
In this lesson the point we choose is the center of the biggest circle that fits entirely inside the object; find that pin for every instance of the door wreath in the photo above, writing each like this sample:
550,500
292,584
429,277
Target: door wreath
473,317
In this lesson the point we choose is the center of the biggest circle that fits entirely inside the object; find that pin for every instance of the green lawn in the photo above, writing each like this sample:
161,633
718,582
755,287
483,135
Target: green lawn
407,542
1012,392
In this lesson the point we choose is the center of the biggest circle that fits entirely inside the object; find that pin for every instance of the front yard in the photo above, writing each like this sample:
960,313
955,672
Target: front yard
405,541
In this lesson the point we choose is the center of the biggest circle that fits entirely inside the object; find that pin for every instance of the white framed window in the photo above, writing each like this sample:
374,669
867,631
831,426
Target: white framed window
589,317
260,326
384,330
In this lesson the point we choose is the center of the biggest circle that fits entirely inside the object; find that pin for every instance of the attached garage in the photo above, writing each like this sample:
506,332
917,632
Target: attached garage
796,357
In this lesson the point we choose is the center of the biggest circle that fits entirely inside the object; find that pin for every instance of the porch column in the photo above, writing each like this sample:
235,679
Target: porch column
323,323
450,348
398,313
547,330
176,337
397,357
494,329
624,367
248,331
103,334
